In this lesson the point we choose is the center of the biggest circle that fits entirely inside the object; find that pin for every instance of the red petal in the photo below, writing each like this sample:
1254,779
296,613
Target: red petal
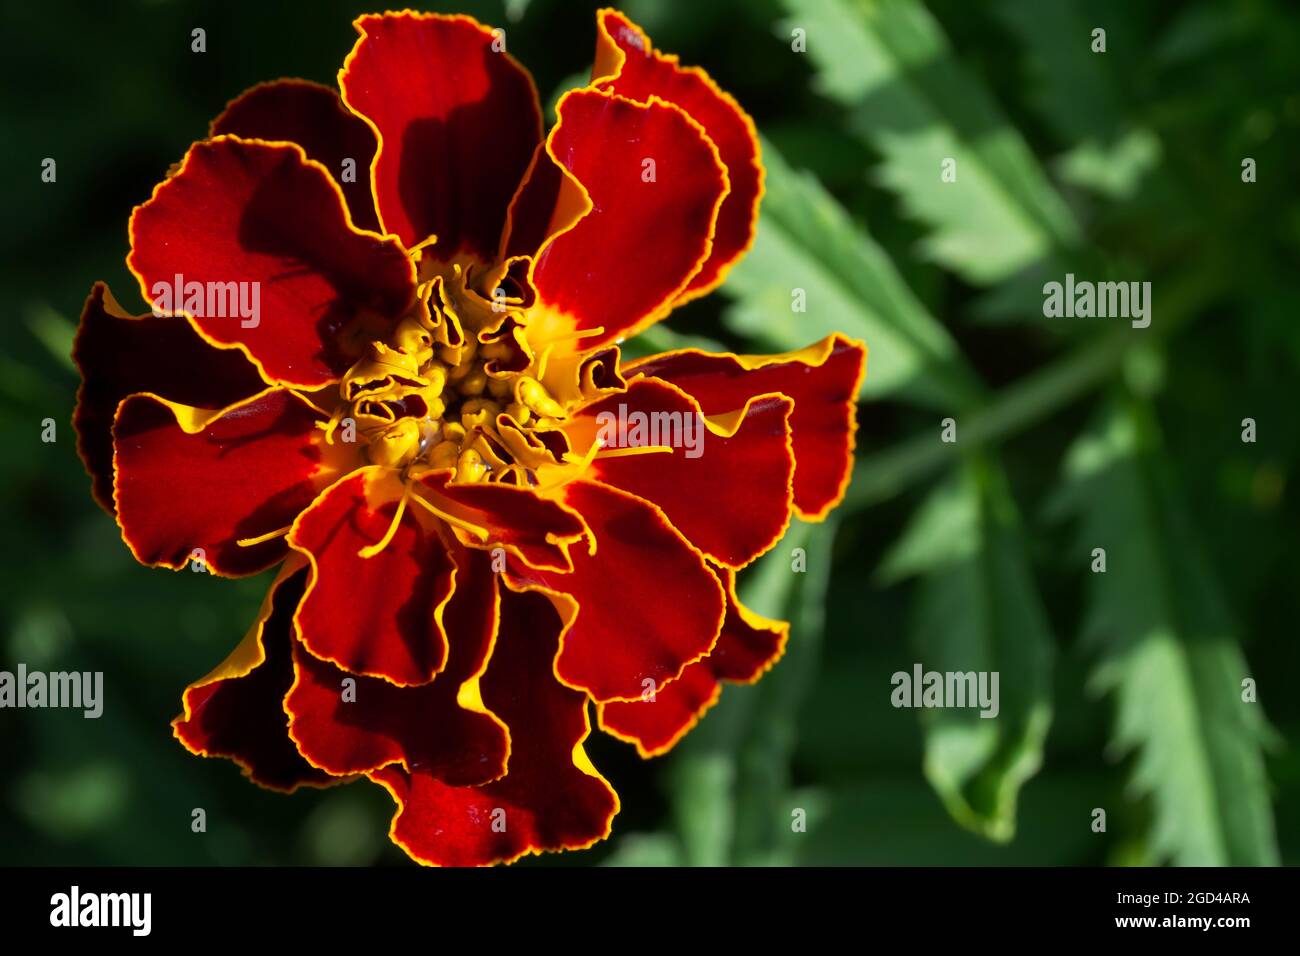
236,710
822,379
245,211
622,265
732,501
379,615
314,117
628,64
424,728
457,124
656,724
637,611
190,479
551,797
119,354
548,201
749,643
747,647
537,530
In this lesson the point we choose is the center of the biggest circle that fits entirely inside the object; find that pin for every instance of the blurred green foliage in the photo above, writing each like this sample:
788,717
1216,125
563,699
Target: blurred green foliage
1120,690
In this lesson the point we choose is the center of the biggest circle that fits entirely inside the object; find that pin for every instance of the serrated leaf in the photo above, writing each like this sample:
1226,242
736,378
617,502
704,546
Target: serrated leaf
977,609
807,244
889,64
1165,650
1107,155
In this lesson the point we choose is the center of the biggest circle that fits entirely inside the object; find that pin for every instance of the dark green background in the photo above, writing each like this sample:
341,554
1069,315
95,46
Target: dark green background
1200,528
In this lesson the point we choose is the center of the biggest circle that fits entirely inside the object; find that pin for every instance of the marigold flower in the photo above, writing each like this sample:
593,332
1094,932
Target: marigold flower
411,429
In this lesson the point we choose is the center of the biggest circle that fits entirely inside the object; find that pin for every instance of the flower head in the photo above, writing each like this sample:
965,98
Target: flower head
384,356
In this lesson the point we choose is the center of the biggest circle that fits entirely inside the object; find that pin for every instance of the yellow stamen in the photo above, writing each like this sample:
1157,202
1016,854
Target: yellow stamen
542,360
397,446
307,398
475,405
249,542
573,466
436,376
444,454
634,450
533,394
369,551
334,422
412,337
583,334
470,466
568,337
474,382
479,532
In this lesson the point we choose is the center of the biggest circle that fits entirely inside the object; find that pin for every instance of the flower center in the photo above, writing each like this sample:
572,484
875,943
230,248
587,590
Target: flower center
455,385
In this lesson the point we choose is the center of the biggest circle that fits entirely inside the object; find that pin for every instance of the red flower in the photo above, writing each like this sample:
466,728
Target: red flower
405,389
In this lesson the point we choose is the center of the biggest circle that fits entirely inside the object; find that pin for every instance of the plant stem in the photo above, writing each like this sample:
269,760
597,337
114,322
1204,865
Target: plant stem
1028,401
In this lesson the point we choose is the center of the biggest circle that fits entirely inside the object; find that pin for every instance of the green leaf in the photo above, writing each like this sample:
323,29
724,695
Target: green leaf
807,245
1058,42
890,819
1109,156
53,330
645,849
661,338
888,63
977,609
1115,171
515,9
766,804
729,779
1165,650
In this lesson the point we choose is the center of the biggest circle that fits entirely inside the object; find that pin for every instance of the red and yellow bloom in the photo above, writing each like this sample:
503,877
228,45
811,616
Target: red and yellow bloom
411,429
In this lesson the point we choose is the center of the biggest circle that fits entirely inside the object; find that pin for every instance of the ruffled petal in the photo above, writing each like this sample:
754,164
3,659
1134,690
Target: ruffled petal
190,479
548,201
747,647
537,530
378,615
119,354
655,724
236,711
627,64
639,609
314,117
655,183
441,728
457,121
551,797
749,643
725,484
264,235
823,380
